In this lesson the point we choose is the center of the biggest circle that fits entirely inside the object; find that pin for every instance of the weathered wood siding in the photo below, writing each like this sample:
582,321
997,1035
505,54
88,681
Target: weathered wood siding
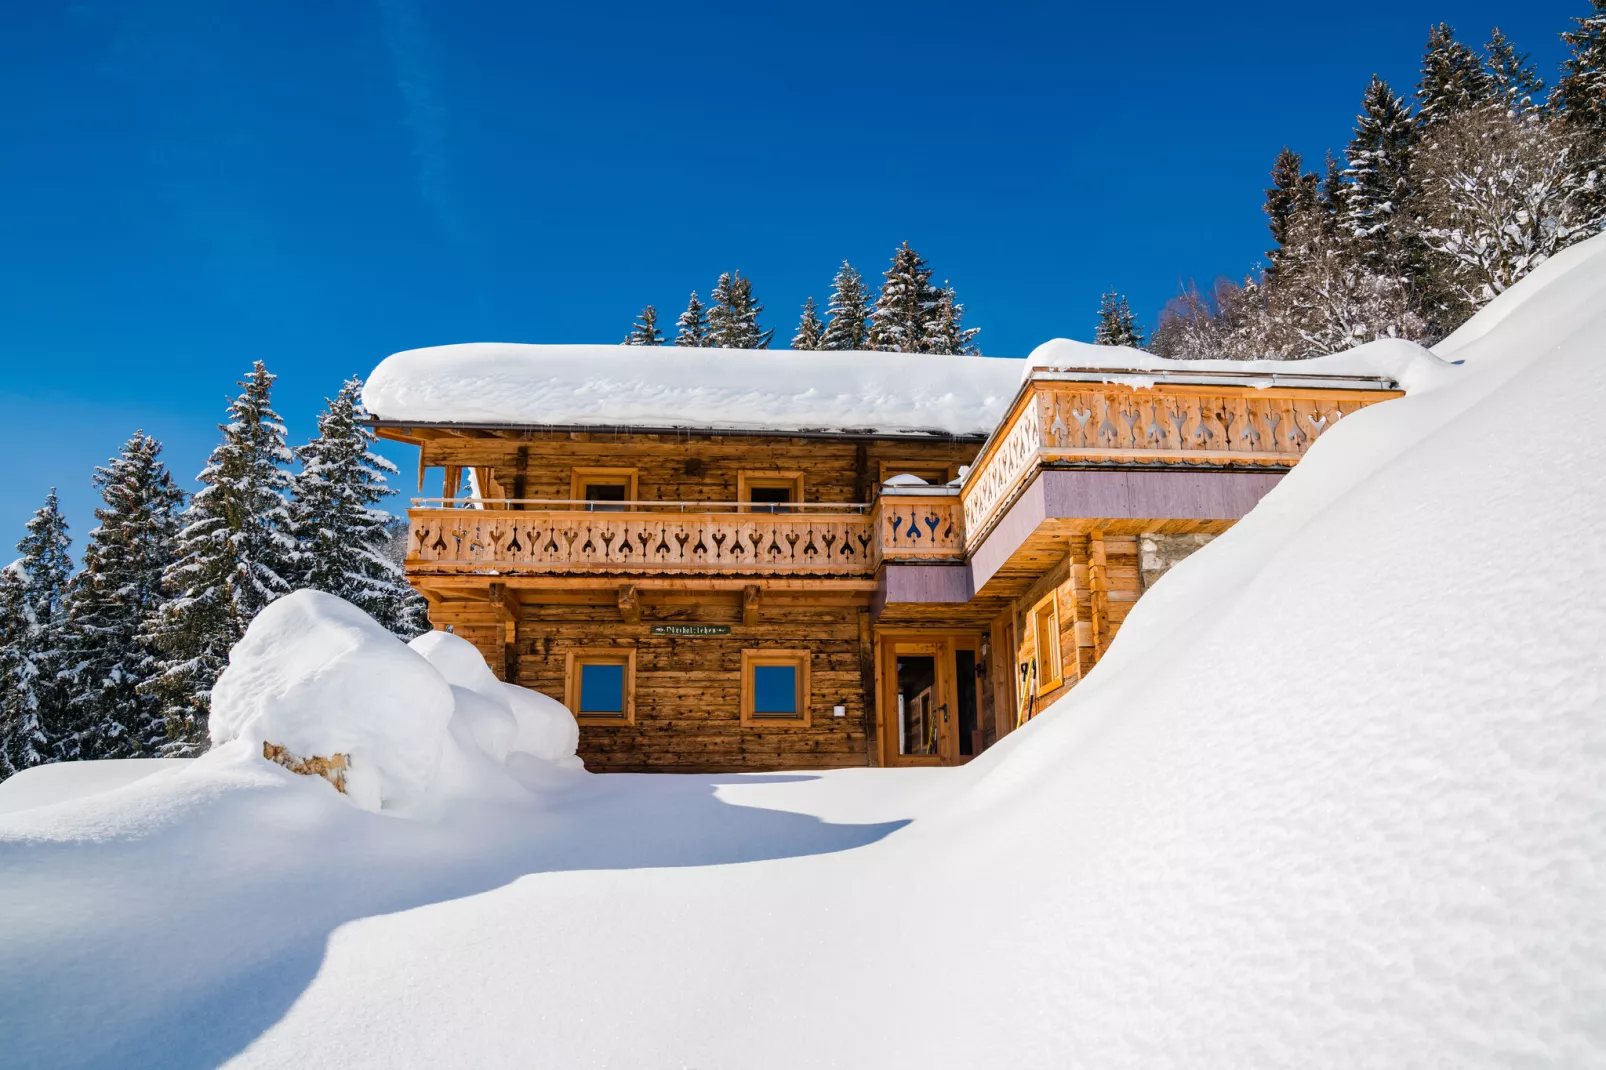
688,690
1095,587
690,468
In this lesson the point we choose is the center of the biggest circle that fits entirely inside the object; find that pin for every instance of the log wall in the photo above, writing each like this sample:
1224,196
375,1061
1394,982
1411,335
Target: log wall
687,468
688,689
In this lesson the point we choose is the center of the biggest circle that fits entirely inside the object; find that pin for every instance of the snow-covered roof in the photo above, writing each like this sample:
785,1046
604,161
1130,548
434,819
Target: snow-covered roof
776,390
503,384
1383,364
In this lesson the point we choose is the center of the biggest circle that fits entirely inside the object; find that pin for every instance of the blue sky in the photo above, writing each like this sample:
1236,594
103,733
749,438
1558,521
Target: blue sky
191,185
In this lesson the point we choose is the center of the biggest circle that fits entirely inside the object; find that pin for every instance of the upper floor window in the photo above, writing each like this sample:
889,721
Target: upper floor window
769,492
603,490
936,474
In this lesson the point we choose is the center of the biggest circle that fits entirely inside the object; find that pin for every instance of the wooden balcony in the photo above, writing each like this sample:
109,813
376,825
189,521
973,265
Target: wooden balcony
642,538
918,526
1077,418
507,537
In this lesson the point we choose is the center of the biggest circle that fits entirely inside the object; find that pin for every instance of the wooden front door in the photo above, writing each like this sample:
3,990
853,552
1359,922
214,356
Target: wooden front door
928,713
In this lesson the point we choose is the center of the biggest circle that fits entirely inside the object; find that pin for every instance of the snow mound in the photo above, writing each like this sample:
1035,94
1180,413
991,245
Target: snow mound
672,387
319,677
546,729
481,702
46,785
505,718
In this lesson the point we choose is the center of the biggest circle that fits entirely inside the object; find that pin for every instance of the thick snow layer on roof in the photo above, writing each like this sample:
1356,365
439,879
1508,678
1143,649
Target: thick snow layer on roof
673,387
1333,798
1396,360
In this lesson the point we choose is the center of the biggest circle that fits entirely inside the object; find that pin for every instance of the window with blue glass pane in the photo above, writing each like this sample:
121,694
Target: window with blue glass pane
775,690
602,688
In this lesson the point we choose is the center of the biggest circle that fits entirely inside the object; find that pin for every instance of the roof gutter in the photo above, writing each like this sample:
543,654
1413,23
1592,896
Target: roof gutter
617,429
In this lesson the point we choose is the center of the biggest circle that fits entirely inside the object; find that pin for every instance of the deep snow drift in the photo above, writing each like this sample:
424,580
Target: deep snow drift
319,677
1336,797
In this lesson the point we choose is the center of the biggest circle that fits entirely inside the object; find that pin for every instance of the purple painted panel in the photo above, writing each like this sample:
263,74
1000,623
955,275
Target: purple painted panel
1058,494
1180,495
921,583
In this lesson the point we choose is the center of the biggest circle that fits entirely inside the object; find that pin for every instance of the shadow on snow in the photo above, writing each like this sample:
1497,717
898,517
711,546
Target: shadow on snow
198,935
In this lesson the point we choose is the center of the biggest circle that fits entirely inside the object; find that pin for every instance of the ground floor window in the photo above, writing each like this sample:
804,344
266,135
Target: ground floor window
775,687
600,685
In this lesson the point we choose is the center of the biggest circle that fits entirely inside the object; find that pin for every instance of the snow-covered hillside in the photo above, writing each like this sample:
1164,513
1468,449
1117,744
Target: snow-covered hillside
1336,797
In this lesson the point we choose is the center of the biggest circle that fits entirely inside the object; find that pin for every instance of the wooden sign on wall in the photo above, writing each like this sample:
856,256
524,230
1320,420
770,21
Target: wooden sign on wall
691,630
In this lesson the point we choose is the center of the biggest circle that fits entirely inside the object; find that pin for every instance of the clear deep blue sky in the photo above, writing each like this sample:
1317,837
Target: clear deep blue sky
191,185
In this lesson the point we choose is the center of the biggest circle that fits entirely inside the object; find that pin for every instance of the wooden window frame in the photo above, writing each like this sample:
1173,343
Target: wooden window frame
799,659
889,469
747,479
1047,609
599,655
615,477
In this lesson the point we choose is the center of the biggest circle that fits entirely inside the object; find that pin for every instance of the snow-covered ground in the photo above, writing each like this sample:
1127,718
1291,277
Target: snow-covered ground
1336,797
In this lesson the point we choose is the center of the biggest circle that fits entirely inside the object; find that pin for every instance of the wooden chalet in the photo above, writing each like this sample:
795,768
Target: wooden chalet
734,578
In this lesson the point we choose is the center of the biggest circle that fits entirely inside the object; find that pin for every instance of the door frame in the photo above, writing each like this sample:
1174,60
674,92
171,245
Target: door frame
943,645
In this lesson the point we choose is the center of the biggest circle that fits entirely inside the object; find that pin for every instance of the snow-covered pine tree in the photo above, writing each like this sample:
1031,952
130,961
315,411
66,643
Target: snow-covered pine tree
232,559
415,608
342,538
906,305
1117,326
19,728
947,333
745,322
119,590
691,329
1291,189
1378,172
810,331
39,727
1580,95
645,332
849,310
733,315
1453,79
1513,81
720,314
1330,195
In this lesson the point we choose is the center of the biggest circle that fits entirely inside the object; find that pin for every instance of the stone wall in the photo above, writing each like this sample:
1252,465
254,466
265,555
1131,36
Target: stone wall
1157,553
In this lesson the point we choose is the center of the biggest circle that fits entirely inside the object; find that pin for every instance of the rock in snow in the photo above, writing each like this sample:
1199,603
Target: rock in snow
1335,797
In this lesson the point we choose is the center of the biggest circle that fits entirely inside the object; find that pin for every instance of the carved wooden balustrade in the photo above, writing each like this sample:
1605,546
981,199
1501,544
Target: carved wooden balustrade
820,542
919,527
1065,420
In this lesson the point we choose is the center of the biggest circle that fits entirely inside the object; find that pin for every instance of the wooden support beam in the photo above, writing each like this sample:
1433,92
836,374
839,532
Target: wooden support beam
506,603
629,605
750,598
505,600
454,481
1098,585
521,466
867,682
